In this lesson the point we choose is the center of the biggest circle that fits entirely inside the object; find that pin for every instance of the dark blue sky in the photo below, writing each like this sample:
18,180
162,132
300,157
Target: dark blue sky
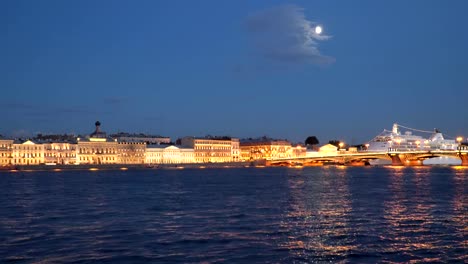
242,68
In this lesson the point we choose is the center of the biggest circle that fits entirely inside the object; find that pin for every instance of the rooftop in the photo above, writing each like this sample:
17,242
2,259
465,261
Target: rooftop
263,139
98,133
139,135
22,140
213,137
65,138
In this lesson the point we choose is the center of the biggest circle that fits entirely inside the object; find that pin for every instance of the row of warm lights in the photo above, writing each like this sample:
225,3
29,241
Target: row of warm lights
398,141
459,140
341,144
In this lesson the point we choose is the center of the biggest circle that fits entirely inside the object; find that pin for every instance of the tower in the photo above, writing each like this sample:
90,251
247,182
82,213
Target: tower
98,127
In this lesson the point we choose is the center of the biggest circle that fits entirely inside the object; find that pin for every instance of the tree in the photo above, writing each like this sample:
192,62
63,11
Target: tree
337,144
334,143
312,140
360,146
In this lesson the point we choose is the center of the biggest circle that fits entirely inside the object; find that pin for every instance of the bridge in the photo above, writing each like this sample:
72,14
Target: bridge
397,157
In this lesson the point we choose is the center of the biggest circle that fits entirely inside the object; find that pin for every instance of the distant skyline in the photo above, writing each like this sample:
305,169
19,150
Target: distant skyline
240,68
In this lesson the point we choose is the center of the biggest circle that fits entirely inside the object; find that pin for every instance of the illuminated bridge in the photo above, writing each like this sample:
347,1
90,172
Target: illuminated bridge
397,157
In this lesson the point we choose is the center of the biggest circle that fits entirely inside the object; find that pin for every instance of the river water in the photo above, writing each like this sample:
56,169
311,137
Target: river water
261,215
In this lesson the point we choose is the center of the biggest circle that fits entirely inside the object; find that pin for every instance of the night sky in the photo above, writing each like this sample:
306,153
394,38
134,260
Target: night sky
238,68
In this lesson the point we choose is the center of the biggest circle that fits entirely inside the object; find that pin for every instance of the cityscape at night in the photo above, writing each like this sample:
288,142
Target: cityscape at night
279,131
99,148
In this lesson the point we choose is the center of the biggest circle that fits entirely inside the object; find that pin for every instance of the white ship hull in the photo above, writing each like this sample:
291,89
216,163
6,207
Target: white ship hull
442,161
380,162
431,161
396,141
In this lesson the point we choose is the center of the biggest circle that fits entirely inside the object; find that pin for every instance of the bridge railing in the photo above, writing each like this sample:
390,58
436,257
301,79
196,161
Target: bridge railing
434,151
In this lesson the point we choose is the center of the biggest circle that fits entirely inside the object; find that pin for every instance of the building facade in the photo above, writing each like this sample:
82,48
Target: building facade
97,148
149,139
6,152
235,149
328,149
27,153
131,152
264,148
60,152
213,149
160,154
97,151
298,151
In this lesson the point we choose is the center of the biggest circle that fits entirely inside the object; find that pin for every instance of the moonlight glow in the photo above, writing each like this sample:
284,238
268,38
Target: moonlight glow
318,30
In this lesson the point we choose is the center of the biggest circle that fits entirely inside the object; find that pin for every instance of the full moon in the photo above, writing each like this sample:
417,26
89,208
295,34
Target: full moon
318,30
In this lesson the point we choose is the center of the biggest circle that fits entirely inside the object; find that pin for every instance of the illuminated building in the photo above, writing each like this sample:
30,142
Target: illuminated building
6,152
213,149
91,151
265,148
58,149
235,149
100,149
298,151
164,154
97,148
131,152
60,152
27,153
328,149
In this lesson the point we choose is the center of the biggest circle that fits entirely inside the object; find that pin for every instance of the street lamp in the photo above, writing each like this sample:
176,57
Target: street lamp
367,146
341,144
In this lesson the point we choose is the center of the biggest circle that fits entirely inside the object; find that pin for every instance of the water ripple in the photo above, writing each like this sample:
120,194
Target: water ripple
269,215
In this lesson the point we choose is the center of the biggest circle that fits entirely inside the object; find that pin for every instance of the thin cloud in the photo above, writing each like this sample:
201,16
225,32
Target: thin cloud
115,100
37,110
283,34
21,133
19,105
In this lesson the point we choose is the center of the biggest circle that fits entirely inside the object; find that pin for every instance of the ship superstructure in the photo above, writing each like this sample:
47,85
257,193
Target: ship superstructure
407,141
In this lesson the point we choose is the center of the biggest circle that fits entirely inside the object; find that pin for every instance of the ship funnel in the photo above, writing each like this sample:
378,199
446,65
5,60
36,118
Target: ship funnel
395,129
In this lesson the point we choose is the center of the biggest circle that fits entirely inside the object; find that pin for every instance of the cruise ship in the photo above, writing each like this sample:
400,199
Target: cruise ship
407,141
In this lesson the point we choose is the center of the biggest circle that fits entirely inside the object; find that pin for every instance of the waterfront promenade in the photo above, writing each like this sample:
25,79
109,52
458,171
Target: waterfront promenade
361,158
97,150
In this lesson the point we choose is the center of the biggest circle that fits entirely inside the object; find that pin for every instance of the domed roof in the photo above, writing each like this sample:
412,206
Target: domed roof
98,133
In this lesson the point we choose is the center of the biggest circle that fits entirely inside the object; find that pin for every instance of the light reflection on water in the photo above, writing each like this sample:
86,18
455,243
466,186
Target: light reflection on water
408,214
319,214
318,217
